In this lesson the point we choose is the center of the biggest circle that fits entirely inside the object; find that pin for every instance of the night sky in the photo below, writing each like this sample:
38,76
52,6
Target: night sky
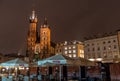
68,20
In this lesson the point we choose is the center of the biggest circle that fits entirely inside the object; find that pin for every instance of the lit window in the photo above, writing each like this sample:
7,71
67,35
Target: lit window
74,55
73,46
109,47
69,47
70,55
65,52
81,51
65,48
74,51
65,43
104,54
69,51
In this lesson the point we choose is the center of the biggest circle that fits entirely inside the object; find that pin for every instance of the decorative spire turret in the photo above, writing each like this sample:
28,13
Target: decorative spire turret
45,21
33,17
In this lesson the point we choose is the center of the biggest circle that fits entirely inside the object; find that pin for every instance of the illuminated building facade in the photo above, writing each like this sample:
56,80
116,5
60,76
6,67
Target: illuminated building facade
39,43
104,48
72,49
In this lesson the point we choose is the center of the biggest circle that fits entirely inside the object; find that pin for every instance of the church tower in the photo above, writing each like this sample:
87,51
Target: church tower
31,40
45,39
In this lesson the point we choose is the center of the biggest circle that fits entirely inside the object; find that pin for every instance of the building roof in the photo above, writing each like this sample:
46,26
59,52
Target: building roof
100,35
70,42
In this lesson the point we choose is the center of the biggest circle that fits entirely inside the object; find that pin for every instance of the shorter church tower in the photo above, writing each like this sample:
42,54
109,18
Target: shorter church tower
45,40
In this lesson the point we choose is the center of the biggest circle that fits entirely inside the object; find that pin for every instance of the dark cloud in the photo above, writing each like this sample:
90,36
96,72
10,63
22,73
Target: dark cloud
69,19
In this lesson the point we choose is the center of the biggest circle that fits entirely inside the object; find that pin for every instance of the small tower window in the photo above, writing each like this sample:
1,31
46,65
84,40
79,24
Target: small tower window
114,40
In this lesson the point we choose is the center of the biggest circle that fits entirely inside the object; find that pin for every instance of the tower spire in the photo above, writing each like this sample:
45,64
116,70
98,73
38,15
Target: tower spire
33,14
45,21
33,17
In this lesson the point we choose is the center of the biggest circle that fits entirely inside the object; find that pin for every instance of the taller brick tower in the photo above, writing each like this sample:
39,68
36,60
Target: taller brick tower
31,40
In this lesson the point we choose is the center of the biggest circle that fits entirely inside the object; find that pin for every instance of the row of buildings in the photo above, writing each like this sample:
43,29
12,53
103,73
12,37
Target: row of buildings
104,48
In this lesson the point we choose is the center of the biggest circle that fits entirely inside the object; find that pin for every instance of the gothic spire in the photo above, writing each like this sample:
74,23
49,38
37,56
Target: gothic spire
33,17
45,21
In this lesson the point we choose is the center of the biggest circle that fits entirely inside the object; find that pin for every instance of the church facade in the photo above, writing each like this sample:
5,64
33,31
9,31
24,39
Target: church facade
39,45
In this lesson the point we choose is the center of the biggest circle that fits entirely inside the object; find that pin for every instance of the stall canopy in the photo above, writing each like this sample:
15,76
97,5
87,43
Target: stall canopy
56,59
62,59
15,63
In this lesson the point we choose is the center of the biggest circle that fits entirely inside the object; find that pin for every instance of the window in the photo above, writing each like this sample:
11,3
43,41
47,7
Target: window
99,55
93,49
114,40
81,51
92,44
60,50
105,54
65,48
57,50
115,47
104,42
73,46
69,51
74,55
109,47
70,55
109,42
74,51
65,52
98,48
104,48
69,47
